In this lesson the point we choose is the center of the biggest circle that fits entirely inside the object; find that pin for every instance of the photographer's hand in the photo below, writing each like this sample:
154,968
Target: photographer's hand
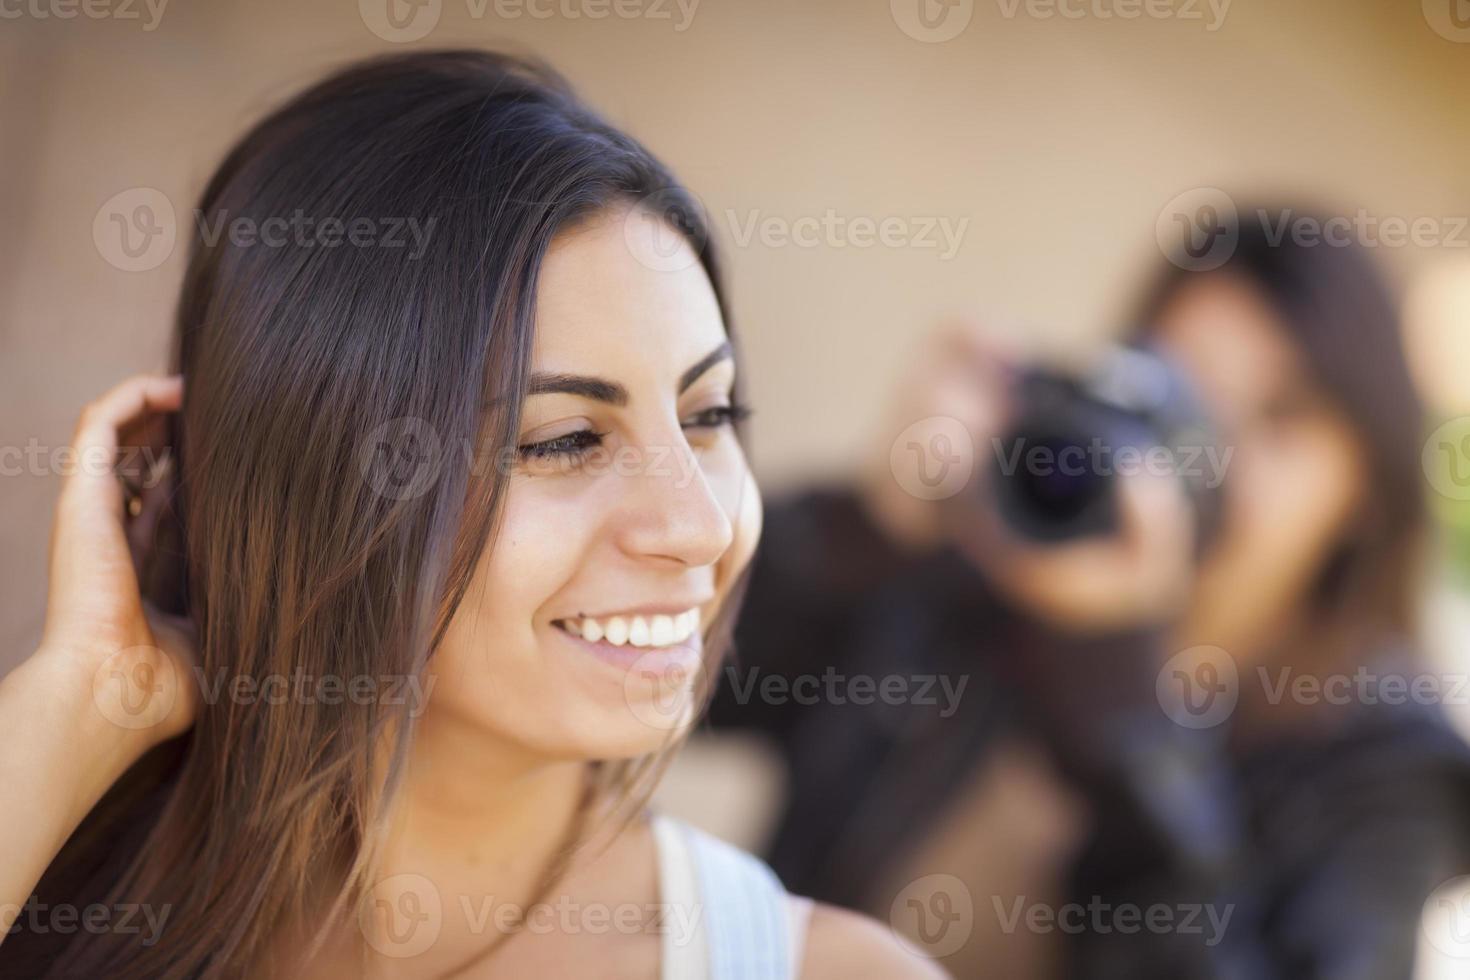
111,678
1138,577
962,374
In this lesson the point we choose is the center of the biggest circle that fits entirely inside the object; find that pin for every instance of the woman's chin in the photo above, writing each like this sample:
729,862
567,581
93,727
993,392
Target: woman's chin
639,727
612,729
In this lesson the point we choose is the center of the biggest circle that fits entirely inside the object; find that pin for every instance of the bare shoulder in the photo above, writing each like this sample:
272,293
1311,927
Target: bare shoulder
842,945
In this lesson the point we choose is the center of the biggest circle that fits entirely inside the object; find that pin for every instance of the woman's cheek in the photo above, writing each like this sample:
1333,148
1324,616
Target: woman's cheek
735,487
1310,487
1292,497
543,536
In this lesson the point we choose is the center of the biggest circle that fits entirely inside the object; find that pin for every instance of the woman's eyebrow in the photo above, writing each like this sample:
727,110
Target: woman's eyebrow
602,390
706,362
597,389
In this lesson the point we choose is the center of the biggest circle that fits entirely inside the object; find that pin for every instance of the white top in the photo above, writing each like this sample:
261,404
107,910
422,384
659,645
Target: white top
726,915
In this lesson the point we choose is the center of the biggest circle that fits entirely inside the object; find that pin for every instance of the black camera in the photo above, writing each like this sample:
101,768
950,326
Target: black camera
1074,434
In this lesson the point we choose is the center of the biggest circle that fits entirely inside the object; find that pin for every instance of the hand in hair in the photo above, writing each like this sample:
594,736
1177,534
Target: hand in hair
111,678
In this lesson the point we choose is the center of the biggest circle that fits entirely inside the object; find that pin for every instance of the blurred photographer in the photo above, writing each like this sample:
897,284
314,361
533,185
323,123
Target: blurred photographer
1133,642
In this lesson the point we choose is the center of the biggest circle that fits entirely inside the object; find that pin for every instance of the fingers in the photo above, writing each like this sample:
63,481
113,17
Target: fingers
980,340
1138,575
128,401
95,441
1155,517
1158,527
92,567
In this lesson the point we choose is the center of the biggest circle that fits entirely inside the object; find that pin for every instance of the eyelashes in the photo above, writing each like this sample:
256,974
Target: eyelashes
575,444
720,415
571,444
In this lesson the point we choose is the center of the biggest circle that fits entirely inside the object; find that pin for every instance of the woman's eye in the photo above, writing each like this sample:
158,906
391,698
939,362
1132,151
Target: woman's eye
571,444
713,418
574,445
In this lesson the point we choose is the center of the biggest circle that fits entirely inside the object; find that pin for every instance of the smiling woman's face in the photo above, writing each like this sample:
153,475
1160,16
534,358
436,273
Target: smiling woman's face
1296,476
629,512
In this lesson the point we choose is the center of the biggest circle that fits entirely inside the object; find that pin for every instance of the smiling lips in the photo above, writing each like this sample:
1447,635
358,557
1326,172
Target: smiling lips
638,631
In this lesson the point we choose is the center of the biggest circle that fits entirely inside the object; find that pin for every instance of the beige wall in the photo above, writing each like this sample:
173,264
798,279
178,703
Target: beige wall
1059,142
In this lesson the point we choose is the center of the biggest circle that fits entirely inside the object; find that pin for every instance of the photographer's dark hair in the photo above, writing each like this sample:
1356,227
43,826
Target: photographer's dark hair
1341,315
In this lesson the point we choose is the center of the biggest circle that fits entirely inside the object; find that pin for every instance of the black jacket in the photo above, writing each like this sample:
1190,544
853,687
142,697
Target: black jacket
1321,849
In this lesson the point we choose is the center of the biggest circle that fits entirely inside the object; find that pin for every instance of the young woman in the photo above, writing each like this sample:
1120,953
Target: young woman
457,531
1319,822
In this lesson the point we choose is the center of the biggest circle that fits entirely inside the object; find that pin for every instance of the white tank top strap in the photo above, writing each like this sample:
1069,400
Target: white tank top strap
726,916
799,909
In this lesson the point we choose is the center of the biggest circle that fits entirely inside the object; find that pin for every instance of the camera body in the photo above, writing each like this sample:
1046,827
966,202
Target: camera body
1074,435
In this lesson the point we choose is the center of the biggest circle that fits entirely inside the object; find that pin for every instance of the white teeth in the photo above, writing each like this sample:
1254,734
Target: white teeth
641,631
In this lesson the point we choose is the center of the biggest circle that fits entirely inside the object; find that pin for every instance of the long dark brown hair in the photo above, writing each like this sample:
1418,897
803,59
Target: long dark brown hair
1340,313
309,369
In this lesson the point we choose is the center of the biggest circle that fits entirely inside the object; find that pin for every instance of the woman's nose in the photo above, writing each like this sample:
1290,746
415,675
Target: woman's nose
670,510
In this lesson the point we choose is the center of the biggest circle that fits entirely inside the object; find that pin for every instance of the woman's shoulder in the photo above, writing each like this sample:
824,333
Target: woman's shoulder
844,944
748,916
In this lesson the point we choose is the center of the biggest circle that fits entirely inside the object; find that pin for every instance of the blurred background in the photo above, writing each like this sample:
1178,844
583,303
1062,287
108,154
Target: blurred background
868,168
1048,147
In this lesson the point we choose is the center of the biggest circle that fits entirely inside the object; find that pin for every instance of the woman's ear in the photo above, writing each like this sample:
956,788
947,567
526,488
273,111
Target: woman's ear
156,533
